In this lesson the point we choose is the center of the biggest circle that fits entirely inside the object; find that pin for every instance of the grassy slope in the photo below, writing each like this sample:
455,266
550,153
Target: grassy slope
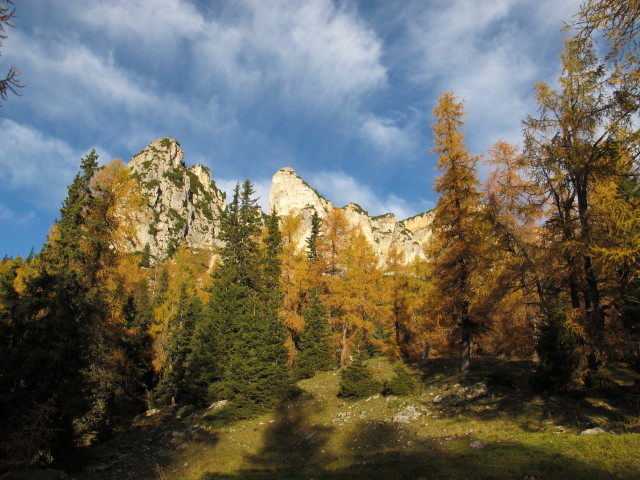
317,435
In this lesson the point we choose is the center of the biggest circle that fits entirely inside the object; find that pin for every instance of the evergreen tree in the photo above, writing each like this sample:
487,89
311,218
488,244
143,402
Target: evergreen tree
257,375
357,380
238,349
556,345
174,385
72,319
312,241
314,344
272,265
402,383
145,259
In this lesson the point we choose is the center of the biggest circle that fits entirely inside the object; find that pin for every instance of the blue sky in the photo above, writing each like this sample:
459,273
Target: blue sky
342,91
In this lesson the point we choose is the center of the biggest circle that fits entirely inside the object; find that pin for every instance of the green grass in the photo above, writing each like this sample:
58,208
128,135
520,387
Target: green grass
318,435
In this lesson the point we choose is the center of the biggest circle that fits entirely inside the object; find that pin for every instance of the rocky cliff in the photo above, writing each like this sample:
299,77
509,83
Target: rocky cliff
183,203
291,195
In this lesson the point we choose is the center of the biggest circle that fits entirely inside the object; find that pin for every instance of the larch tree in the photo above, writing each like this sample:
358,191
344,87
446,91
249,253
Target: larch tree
619,21
295,279
358,300
514,286
456,247
575,144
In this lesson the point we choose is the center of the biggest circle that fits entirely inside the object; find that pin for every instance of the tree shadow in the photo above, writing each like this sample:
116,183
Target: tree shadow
382,450
497,388
291,441
146,449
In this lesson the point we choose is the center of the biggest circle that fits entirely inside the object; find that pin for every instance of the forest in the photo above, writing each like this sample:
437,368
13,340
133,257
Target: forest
537,259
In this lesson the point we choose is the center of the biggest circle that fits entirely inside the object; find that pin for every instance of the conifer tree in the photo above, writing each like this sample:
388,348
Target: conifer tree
295,279
171,385
314,344
52,327
238,349
581,141
257,373
312,241
456,245
357,379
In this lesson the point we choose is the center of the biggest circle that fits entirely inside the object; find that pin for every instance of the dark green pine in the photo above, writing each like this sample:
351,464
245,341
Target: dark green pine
314,345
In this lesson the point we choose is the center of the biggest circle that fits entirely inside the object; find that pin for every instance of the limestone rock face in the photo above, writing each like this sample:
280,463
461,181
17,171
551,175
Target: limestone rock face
183,203
291,195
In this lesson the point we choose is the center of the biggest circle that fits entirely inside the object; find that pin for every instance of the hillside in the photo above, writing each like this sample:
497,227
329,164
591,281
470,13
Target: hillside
487,425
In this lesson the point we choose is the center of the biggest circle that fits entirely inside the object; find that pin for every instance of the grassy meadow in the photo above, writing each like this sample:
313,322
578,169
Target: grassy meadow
517,434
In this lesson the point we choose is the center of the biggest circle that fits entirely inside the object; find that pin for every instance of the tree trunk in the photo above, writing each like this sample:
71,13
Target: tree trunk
466,355
343,353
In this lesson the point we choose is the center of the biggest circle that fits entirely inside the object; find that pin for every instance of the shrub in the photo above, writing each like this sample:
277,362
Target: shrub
557,348
402,383
358,381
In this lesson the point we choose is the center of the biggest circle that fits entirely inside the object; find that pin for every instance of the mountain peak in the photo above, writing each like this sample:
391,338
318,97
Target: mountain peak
163,154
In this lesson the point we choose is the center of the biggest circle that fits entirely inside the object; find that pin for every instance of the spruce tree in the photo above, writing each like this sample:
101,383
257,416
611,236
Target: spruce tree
312,241
52,327
238,348
357,380
257,374
174,385
314,344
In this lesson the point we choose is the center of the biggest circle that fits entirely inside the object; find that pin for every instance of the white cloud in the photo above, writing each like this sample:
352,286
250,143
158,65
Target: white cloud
37,165
490,54
341,189
384,135
151,23
5,212
317,52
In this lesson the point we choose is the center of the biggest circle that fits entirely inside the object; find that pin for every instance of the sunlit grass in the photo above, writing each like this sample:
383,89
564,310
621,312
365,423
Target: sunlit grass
315,434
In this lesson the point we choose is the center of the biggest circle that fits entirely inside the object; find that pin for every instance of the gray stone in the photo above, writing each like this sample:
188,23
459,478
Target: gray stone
478,444
219,405
408,415
593,431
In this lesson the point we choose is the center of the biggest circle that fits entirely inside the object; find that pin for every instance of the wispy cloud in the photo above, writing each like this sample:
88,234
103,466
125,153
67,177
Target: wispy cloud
5,212
385,135
37,165
488,53
341,189
310,54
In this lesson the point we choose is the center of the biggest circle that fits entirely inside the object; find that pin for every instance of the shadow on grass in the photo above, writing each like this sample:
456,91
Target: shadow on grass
294,448
510,394
145,450
383,451
291,441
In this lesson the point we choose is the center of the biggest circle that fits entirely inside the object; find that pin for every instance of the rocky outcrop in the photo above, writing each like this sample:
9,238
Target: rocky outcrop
291,195
183,203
